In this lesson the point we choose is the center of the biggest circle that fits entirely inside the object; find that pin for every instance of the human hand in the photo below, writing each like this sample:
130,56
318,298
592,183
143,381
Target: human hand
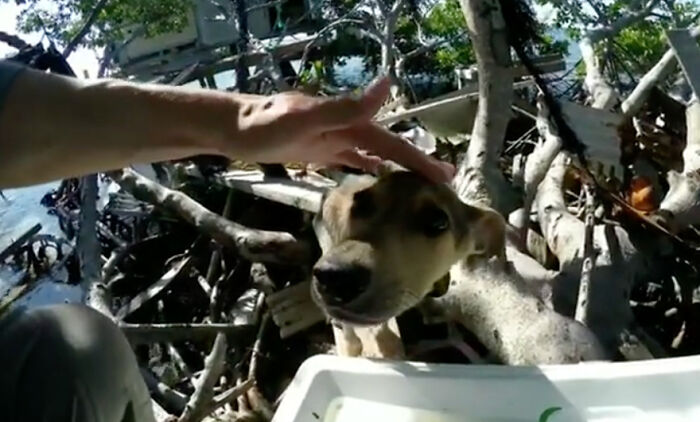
332,130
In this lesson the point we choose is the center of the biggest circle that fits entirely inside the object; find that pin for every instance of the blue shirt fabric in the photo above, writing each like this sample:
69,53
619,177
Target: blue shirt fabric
8,73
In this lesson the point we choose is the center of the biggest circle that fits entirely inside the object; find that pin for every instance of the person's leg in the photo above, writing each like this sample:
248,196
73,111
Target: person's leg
68,363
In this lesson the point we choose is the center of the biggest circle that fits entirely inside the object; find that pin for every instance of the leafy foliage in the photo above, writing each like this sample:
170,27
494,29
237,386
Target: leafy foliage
637,47
62,19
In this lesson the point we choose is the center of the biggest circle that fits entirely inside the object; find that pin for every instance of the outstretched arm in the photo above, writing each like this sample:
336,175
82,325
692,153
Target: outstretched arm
53,127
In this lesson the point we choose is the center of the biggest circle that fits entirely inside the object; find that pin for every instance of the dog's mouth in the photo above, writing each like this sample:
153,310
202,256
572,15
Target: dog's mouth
342,313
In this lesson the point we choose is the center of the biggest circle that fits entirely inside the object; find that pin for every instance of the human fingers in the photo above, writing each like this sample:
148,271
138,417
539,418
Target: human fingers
393,147
338,112
356,159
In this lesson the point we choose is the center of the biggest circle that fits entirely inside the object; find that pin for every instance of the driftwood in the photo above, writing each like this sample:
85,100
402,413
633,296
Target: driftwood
255,245
680,207
494,303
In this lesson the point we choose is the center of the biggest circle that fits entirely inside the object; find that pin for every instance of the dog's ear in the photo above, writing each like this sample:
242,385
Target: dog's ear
387,167
488,234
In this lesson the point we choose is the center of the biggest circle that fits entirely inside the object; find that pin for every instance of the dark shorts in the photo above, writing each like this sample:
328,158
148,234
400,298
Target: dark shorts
68,363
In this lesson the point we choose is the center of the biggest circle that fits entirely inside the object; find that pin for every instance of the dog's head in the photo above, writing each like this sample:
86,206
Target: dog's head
390,240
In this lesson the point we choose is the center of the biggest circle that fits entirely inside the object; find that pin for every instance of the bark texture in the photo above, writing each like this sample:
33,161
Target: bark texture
478,176
489,297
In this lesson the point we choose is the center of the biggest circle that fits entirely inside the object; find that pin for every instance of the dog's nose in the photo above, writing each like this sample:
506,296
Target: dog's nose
340,284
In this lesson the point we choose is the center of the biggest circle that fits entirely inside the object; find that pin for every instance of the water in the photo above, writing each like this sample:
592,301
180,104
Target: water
20,210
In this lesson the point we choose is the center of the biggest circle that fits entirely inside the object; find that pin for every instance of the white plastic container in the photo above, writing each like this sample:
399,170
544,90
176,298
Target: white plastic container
333,389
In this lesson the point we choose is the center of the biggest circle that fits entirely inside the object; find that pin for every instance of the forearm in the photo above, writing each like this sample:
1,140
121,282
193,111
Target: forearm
53,127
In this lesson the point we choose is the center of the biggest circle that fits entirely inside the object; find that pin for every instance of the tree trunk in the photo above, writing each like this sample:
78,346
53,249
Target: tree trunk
489,296
479,177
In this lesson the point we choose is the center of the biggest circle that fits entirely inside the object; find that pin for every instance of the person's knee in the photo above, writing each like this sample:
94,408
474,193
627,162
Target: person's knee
72,352
81,335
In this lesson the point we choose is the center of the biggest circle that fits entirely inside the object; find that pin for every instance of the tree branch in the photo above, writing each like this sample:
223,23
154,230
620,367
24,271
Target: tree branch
13,40
538,162
382,7
252,244
681,206
616,262
479,177
88,247
78,38
401,63
661,70
582,302
199,403
603,95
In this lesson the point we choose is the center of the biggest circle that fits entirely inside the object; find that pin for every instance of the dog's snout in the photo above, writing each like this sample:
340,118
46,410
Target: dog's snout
340,283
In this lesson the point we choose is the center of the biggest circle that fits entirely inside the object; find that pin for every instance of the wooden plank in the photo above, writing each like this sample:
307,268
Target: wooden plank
303,191
597,129
441,104
686,49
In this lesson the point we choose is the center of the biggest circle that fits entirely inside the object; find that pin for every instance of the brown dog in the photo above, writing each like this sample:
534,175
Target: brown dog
389,239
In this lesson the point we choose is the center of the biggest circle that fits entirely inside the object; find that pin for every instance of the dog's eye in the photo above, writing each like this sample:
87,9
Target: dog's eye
433,221
362,204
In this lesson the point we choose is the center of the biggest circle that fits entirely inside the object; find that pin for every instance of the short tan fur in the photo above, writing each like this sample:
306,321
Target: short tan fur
391,238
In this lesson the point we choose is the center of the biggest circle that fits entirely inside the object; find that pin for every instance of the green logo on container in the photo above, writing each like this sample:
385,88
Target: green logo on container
544,417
